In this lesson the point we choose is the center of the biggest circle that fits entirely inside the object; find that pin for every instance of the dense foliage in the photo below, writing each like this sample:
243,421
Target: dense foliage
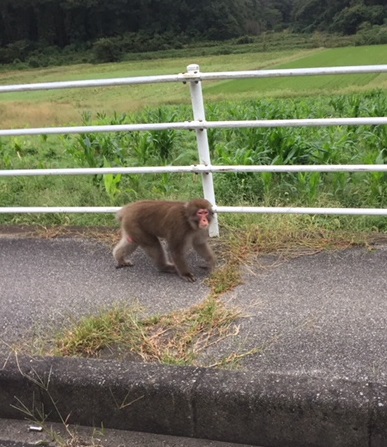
255,146
342,16
30,28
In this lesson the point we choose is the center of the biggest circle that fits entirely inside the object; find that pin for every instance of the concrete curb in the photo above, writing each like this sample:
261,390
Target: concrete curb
240,407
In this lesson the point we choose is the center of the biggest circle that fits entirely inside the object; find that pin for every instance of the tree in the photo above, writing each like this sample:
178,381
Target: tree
307,13
349,20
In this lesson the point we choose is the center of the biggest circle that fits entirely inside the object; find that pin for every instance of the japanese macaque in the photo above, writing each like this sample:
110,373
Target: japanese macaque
181,224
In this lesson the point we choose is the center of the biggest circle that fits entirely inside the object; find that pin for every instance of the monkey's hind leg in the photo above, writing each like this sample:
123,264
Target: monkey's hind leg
123,250
156,252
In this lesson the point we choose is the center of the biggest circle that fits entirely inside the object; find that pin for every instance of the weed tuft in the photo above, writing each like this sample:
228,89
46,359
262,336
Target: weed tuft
176,338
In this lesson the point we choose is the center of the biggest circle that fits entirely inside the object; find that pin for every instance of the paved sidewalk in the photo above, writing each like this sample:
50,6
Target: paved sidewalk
318,322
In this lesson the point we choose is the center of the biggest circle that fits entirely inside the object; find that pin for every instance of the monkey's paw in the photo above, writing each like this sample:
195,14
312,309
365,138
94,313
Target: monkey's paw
190,277
205,267
168,268
121,265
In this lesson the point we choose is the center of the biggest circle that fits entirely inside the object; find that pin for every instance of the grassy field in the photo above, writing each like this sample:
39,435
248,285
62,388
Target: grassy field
314,85
355,95
61,107
56,107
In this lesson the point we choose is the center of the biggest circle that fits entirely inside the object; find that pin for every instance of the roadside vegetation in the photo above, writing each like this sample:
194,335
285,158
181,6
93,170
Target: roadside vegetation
175,339
314,97
320,145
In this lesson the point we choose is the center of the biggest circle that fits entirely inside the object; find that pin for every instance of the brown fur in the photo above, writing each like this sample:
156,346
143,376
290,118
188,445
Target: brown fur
144,223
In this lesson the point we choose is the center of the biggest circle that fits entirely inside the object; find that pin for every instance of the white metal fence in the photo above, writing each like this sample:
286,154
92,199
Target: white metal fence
194,78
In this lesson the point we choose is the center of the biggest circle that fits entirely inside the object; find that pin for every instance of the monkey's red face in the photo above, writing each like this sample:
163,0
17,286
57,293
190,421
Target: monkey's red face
204,217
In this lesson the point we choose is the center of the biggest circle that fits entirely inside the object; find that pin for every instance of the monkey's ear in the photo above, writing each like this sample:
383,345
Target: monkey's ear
190,209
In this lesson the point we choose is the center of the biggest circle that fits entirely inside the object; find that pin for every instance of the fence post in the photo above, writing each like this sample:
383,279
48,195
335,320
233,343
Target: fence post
202,141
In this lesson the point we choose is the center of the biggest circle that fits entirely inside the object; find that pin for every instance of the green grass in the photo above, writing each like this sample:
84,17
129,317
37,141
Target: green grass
307,85
331,145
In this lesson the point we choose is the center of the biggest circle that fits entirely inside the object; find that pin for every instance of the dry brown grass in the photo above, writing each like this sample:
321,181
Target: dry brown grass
24,114
177,338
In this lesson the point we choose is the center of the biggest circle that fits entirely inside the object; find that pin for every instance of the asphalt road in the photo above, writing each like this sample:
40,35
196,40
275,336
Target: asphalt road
19,432
320,316
324,314
48,283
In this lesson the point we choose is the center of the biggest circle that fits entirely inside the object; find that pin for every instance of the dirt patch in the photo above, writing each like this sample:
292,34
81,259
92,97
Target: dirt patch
103,234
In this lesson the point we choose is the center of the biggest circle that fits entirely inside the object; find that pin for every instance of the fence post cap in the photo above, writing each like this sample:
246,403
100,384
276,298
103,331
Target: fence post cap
192,68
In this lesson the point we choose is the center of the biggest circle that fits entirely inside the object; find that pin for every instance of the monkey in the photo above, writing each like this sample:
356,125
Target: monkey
181,224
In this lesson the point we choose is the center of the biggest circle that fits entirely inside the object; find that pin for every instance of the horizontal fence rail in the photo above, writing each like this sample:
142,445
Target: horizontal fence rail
293,72
195,169
199,124
217,209
194,75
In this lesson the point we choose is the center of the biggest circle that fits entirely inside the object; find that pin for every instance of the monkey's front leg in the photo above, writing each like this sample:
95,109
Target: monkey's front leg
181,266
187,275
204,250
167,268
156,252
